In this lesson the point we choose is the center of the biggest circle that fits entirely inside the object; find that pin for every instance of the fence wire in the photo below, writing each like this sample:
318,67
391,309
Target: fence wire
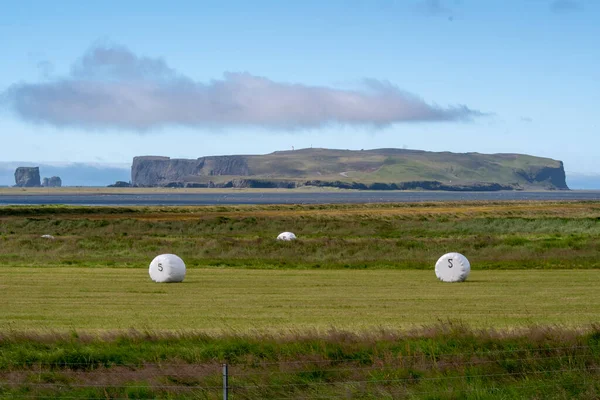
249,379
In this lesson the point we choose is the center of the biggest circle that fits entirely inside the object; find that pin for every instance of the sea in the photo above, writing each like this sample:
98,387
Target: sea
292,197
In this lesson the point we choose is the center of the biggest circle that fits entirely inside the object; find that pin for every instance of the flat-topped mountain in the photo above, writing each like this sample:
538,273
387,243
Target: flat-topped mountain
363,169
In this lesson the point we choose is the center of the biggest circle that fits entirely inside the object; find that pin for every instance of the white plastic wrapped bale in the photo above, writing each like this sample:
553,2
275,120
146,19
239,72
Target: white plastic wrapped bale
286,236
167,268
452,267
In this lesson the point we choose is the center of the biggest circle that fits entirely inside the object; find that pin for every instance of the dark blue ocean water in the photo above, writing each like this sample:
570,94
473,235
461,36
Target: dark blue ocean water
287,198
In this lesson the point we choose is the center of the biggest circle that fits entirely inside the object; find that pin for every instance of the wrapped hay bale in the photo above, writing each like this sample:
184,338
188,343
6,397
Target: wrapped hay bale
286,236
452,267
167,268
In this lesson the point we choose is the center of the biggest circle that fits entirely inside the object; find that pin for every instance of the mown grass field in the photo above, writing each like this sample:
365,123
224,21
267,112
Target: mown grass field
245,301
352,309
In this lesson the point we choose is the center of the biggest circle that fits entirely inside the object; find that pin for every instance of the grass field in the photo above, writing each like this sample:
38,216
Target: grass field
445,361
232,300
503,235
352,309
353,266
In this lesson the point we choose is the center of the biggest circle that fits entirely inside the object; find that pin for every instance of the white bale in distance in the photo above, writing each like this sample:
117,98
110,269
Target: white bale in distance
452,267
286,236
167,268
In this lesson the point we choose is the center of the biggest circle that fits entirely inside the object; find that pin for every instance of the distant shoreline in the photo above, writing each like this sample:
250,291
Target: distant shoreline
96,190
82,190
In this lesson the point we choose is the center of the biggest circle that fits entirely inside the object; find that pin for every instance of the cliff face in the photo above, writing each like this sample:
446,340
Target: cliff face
380,169
159,171
224,165
553,177
27,177
150,171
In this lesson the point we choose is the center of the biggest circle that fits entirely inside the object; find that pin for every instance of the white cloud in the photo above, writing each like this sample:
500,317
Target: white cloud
111,87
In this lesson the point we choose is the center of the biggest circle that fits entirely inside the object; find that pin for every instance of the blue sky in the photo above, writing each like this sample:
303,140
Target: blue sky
105,81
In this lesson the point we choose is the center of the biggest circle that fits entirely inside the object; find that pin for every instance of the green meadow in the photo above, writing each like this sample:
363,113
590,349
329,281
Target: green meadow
503,235
225,300
352,309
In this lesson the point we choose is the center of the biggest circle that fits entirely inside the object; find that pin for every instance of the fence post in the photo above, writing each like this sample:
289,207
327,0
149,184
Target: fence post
225,382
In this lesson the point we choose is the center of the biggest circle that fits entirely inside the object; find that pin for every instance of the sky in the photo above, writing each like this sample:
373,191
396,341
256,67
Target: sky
104,81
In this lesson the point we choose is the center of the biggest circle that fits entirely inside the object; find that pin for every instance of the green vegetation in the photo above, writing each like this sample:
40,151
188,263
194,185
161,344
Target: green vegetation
395,165
226,300
504,235
351,309
369,169
353,267
447,361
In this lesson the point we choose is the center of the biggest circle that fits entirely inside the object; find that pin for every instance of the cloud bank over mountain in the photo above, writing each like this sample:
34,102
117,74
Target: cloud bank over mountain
110,87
